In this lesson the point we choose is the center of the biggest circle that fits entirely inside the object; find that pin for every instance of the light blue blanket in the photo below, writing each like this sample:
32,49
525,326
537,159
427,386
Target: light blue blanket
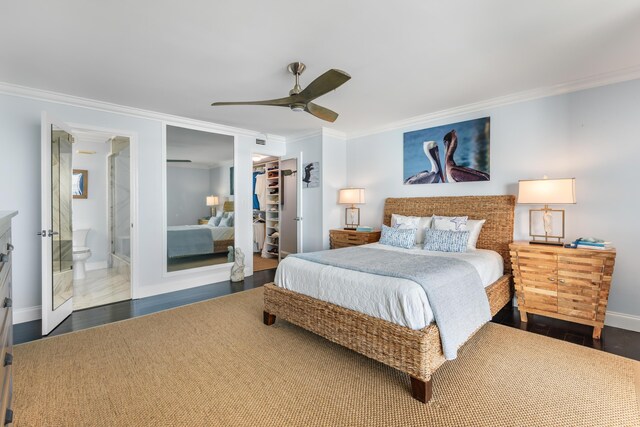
188,240
453,287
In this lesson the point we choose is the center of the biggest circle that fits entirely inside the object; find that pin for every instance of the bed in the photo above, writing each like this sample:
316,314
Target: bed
417,352
192,240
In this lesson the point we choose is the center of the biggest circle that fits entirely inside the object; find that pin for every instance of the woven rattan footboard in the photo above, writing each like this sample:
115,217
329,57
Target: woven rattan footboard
416,352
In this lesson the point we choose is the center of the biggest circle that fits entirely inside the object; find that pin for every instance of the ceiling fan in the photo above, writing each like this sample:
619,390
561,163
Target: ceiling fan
299,99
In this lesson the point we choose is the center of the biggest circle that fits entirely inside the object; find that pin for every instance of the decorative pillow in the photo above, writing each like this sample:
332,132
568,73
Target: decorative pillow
449,223
399,237
226,222
474,226
446,240
215,221
418,222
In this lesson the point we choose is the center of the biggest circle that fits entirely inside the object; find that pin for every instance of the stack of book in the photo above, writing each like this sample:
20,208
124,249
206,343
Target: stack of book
591,243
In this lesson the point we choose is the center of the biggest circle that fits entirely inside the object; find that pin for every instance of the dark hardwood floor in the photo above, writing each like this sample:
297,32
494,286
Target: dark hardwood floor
95,316
614,340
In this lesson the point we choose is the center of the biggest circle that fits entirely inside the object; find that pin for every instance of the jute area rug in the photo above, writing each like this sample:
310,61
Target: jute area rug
215,364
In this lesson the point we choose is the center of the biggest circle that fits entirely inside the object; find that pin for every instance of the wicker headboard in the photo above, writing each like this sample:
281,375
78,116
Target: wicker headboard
227,207
496,233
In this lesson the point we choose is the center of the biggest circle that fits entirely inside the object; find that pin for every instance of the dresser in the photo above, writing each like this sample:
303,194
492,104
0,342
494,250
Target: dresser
6,317
339,238
563,283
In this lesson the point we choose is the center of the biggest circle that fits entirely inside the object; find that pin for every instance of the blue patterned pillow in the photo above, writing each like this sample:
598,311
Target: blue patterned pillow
446,240
400,237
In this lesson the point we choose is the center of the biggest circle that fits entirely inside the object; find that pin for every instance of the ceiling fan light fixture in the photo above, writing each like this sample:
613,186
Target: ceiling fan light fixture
297,107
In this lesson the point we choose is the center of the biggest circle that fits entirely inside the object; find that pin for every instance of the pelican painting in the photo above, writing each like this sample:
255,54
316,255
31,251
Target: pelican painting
454,172
457,152
433,175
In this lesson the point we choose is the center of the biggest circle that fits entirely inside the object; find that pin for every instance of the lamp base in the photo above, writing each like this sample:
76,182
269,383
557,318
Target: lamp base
542,242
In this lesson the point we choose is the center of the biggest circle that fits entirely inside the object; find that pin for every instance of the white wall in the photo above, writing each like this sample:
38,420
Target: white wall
92,212
20,173
288,211
220,182
187,191
591,135
334,172
308,150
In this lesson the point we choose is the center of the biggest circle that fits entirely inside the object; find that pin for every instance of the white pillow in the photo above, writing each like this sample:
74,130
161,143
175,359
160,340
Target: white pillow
226,221
420,223
455,223
474,226
214,221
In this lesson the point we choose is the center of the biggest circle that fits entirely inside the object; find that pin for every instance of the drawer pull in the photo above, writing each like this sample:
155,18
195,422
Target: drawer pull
4,258
552,279
561,281
8,359
8,417
7,302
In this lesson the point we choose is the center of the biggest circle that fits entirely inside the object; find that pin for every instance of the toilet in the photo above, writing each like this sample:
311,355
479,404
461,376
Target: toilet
81,253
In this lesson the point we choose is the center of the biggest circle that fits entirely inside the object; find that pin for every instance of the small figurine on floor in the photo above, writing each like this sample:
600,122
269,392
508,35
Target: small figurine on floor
237,270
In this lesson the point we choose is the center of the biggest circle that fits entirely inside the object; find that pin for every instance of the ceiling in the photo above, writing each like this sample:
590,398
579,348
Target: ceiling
204,149
408,58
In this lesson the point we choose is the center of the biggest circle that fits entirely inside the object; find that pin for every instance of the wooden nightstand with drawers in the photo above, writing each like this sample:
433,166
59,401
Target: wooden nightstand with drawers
563,283
203,221
340,238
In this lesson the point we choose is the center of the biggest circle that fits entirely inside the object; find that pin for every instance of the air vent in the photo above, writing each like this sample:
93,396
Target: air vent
261,142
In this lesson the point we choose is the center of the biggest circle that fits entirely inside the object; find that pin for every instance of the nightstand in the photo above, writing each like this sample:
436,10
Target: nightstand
563,283
203,221
339,238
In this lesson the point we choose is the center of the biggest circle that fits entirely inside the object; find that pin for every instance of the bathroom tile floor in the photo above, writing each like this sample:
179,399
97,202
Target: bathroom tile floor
101,287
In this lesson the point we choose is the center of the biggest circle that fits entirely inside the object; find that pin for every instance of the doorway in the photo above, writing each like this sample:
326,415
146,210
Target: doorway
276,210
87,197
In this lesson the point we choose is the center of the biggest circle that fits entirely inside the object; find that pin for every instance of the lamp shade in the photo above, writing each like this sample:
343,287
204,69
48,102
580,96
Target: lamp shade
212,201
547,191
351,196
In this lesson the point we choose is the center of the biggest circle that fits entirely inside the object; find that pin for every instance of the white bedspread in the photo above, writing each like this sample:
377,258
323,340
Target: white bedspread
400,301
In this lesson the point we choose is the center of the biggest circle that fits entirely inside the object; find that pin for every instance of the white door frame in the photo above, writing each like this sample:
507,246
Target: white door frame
133,182
299,205
50,317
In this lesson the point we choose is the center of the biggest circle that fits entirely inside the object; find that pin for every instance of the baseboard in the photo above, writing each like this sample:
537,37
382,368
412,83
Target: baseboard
98,265
621,320
21,315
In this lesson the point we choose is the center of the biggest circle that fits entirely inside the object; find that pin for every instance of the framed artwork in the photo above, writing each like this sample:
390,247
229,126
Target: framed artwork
457,152
311,175
80,184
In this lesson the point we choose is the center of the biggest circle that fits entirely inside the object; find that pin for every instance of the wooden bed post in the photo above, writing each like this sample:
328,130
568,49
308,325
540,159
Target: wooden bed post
421,390
268,318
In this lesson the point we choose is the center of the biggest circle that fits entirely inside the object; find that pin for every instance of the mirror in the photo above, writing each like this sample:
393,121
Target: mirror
200,210
62,237
80,184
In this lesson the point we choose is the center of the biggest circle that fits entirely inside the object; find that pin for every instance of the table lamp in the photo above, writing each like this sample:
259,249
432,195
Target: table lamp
213,201
351,196
547,192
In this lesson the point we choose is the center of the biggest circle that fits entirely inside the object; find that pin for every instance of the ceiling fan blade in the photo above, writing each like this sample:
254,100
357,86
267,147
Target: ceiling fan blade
327,82
279,102
321,112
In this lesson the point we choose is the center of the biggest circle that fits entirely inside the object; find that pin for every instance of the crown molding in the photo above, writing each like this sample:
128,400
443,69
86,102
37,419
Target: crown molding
76,101
334,133
301,136
591,82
